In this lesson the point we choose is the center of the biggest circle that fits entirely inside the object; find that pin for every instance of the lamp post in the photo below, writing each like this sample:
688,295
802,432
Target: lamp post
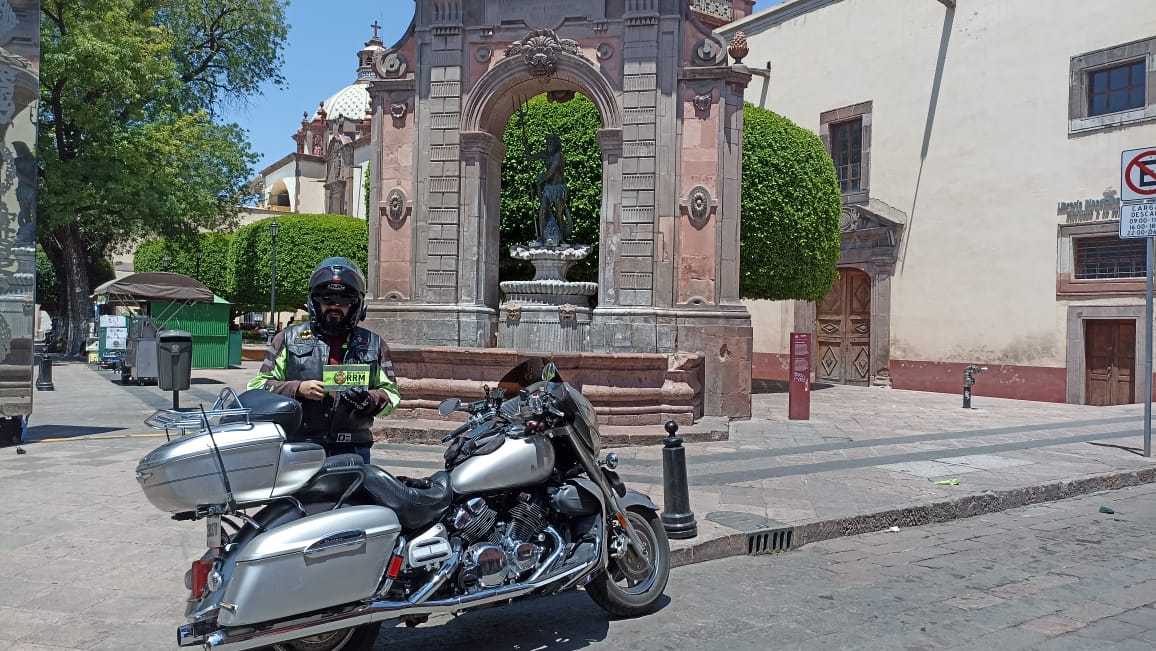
165,263
273,228
197,255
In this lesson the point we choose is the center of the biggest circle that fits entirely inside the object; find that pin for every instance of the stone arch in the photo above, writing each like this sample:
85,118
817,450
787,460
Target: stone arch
489,102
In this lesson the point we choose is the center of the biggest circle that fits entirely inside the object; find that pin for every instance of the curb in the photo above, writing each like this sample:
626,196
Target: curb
430,432
965,506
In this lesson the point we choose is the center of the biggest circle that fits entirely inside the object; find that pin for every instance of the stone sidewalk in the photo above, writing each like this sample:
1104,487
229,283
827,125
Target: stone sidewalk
82,547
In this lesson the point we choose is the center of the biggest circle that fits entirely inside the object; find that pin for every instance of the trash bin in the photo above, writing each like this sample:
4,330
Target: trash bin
174,360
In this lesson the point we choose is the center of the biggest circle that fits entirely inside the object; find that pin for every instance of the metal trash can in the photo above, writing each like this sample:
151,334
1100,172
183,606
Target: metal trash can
174,360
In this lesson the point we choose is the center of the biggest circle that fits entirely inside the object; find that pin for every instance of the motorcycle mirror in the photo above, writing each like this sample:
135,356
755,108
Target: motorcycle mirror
449,406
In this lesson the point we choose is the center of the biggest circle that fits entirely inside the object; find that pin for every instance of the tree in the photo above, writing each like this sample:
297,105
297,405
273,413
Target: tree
790,211
303,241
129,143
577,122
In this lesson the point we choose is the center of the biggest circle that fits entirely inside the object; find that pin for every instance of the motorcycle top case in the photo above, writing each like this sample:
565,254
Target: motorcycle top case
328,559
185,473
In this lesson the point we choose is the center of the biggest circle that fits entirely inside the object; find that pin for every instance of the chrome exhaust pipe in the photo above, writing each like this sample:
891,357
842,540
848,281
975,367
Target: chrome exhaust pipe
222,640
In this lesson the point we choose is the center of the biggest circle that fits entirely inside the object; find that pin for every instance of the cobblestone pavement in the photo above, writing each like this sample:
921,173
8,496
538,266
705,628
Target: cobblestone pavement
1047,577
87,563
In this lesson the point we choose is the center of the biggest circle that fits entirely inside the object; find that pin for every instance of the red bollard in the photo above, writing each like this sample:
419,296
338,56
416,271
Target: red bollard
799,393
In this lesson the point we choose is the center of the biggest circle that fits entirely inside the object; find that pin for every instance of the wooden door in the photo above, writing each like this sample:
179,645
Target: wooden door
843,330
1110,362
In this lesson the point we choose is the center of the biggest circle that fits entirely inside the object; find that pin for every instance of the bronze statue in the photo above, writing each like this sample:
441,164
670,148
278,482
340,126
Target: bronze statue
554,219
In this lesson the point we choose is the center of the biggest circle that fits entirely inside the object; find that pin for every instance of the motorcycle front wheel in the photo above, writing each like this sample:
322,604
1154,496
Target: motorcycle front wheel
357,638
626,589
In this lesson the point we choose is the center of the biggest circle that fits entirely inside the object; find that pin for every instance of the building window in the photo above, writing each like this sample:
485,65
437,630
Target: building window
1099,258
1116,89
847,152
846,132
1113,87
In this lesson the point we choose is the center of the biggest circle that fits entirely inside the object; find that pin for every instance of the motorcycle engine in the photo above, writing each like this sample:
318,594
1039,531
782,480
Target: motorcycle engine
498,552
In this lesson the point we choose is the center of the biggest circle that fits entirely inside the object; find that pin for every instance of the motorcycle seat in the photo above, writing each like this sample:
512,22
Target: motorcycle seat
415,507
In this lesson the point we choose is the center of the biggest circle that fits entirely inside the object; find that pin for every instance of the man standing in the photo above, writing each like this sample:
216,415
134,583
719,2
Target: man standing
341,373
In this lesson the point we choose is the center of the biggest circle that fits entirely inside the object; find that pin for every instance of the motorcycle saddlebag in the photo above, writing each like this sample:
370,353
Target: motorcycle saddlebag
328,559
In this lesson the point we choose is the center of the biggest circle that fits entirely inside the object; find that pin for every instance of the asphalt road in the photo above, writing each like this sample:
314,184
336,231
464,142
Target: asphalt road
1056,576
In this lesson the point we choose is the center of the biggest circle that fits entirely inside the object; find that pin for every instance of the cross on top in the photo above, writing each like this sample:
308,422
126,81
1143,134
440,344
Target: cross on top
375,27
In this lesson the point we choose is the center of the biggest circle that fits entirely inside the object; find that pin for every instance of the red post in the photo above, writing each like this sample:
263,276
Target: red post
799,394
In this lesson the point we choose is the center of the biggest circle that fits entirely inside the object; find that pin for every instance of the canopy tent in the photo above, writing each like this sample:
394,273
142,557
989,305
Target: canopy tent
177,290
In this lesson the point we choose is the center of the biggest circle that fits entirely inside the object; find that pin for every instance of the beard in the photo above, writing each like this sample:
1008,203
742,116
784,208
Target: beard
333,317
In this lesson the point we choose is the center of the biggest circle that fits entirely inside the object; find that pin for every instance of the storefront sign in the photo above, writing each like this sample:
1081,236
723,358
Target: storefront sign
1091,210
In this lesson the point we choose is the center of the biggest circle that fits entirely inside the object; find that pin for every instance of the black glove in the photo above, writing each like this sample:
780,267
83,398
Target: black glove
414,482
358,399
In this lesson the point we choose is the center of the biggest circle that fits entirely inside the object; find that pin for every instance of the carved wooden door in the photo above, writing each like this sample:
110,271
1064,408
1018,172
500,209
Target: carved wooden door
843,330
1110,362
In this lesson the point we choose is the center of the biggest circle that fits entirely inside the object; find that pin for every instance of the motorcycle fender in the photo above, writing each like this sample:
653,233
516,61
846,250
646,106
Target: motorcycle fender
628,498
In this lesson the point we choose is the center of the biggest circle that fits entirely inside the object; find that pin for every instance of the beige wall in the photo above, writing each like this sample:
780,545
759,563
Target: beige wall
976,277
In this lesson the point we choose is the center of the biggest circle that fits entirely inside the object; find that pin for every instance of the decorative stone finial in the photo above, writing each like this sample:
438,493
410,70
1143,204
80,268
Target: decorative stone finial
738,48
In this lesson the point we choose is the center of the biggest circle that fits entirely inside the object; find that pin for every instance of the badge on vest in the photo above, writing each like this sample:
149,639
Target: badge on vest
343,437
340,377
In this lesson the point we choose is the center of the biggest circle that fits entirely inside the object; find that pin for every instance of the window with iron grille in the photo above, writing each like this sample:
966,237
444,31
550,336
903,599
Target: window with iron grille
1109,257
847,152
1115,89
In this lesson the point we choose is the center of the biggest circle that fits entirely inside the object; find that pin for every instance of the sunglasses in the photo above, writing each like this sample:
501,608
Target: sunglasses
337,299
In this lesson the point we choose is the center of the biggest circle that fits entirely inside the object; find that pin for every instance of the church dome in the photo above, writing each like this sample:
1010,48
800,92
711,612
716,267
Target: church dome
351,102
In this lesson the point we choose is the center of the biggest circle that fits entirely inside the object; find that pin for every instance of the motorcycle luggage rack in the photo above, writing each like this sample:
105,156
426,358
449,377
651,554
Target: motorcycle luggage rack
226,409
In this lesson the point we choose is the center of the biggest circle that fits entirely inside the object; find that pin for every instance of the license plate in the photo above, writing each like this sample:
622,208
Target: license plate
213,531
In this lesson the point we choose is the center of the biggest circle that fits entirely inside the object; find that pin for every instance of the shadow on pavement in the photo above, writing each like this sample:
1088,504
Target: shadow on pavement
41,432
566,622
782,386
1125,448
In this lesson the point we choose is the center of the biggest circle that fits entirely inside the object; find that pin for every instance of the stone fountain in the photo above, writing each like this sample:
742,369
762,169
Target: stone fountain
549,312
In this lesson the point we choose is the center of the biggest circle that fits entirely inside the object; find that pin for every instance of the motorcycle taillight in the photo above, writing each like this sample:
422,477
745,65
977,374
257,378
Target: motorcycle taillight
199,576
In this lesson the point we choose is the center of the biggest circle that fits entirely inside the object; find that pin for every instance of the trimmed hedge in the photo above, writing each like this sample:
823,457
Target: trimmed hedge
303,242
790,211
212,271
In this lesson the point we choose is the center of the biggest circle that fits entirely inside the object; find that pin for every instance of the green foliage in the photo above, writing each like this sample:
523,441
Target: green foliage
303,241
99,271
46,290
577,122
365,187
790,211
211,270
129,141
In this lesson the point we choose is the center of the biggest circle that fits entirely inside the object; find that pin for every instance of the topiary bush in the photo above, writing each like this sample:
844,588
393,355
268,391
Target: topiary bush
790,211
211,270
303,241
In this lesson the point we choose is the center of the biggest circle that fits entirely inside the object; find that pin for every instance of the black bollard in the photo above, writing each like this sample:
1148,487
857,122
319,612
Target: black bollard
44,378
677,518
969,382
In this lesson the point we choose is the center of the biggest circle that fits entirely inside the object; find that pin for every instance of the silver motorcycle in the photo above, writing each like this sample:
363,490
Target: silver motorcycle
313,552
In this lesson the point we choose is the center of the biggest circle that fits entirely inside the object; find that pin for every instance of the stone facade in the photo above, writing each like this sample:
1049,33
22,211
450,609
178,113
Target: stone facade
671,109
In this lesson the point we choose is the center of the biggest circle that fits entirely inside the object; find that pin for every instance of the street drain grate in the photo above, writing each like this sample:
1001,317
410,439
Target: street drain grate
769,541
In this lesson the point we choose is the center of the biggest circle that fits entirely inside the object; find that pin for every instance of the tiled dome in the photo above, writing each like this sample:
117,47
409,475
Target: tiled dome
351,101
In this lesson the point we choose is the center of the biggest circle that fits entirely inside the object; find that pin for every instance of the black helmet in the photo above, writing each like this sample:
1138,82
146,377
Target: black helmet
337,277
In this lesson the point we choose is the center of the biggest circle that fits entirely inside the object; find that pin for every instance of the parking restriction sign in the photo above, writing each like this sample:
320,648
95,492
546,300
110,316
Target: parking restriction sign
1138,220
1138,174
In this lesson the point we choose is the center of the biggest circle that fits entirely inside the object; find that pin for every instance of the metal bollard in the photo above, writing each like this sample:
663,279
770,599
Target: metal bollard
677,518
44,377
969,381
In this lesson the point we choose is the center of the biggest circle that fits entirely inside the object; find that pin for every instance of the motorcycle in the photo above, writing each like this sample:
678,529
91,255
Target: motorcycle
306,551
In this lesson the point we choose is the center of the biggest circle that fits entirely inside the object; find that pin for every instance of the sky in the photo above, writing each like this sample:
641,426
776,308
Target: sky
321,59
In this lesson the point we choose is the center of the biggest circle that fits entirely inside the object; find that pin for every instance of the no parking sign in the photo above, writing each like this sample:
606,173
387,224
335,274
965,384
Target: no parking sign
1138,174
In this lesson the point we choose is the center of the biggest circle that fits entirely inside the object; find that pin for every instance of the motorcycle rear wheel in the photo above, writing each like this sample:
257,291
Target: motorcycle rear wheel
618,594
357,638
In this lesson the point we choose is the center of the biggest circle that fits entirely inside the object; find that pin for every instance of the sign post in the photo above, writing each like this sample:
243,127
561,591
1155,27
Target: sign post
1138,219
799,390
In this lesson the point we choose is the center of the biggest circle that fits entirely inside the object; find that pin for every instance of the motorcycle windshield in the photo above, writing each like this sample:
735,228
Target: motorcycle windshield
579,412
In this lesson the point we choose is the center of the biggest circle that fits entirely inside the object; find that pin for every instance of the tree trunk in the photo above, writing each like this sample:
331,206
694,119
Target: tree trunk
68,254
